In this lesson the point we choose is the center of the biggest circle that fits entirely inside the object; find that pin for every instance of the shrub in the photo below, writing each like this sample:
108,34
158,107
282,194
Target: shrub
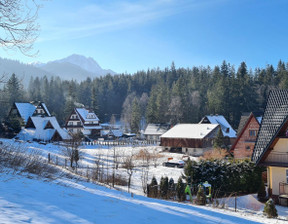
270,209
164,187
201,197
153,188
180,188
262,192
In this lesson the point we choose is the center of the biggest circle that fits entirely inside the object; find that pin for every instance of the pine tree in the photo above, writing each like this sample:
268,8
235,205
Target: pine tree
136,116
218,141
262,191
153,188
171,188
13,89
180,188
164,187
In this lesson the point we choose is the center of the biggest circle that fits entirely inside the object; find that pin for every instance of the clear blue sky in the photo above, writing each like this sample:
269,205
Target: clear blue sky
127,36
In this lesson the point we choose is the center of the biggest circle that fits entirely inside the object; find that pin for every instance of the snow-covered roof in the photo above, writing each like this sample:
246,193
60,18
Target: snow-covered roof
226,128
46,109
25,110
193,131
156,129
116,133
39,132
86,115
259,119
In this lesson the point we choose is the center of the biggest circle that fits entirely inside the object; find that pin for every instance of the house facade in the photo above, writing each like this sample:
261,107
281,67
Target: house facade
154,131
246,137
85,121
271,148
191,139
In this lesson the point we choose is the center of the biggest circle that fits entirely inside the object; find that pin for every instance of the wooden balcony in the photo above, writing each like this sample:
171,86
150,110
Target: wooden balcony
283,194
276,159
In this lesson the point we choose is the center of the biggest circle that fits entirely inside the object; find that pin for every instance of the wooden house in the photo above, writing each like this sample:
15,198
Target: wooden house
85,121
25,110
228,132
40,128
154,131
246,137
192,139
271,148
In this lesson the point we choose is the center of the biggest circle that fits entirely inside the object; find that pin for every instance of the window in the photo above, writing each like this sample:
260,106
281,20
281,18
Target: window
248,148
252,133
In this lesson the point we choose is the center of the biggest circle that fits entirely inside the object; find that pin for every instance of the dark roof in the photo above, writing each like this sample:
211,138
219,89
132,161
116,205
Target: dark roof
275,116
244,118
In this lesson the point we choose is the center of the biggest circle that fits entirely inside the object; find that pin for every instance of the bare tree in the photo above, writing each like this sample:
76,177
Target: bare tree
129,166
71,149
18,25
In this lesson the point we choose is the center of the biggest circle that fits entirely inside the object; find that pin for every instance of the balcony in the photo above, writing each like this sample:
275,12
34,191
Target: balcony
283,194
277,159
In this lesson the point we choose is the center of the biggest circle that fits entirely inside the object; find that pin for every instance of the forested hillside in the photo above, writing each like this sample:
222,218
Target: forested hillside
160,96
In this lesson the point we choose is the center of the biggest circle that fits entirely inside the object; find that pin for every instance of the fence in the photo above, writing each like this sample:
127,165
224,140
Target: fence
122,143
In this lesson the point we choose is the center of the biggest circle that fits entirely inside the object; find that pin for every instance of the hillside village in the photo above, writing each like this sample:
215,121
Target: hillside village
257,149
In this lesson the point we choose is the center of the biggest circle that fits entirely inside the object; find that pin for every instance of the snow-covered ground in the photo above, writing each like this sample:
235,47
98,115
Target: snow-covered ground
39,200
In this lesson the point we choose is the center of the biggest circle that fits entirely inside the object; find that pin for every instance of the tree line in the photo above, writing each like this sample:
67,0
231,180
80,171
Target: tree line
170,95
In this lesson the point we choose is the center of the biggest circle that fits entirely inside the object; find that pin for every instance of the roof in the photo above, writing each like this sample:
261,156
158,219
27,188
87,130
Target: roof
275,116
86,115
39,132
245,116
192,131
25,110
242,130
156,129
45,108
116,133
226,128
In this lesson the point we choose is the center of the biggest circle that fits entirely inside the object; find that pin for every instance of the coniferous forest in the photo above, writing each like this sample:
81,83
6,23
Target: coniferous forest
171,95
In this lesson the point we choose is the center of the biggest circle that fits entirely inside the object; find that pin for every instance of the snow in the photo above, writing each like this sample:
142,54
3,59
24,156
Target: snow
39,132
46,109
27,198
26,110
220,119
192,131
156,129
86,115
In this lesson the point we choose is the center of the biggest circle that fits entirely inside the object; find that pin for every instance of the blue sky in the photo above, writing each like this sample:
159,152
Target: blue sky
128,36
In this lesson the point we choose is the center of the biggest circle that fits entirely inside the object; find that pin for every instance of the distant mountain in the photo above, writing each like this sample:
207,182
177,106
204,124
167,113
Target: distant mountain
23,71
76,67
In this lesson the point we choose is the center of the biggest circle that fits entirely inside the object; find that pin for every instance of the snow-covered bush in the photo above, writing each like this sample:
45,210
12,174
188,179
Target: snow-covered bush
270,209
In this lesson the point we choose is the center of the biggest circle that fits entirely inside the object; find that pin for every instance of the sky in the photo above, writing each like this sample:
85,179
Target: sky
132,35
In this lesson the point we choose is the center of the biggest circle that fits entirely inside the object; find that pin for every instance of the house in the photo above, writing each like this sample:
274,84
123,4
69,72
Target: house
25,110
228,132
271,148
154,131
111,134
192,139
85,121
43,129
246,137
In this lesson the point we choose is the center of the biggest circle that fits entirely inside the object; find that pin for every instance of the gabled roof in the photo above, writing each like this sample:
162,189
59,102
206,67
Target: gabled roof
156,129
275,116
43,105
39,132
192,131
25,110
226,128
85,115
247,121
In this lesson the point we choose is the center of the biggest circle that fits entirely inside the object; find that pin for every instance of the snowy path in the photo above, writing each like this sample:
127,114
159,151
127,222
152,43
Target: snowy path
27,200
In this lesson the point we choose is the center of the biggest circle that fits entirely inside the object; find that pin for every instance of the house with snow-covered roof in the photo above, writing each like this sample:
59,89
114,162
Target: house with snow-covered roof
228,132
25,110
271,149
40,128
191,139
246,136
154,131
85,121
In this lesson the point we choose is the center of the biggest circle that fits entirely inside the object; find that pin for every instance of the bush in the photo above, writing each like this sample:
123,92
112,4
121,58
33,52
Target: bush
270,209
201,197
262,192
164,187
153,188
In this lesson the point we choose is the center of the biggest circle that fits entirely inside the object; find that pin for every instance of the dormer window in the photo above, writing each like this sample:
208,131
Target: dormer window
91,116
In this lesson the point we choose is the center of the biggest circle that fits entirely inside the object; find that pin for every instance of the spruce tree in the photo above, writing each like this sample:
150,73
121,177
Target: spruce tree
180,189
270,209
164,187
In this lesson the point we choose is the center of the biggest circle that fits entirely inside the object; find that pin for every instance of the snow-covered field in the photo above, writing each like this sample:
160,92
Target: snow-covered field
27,198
